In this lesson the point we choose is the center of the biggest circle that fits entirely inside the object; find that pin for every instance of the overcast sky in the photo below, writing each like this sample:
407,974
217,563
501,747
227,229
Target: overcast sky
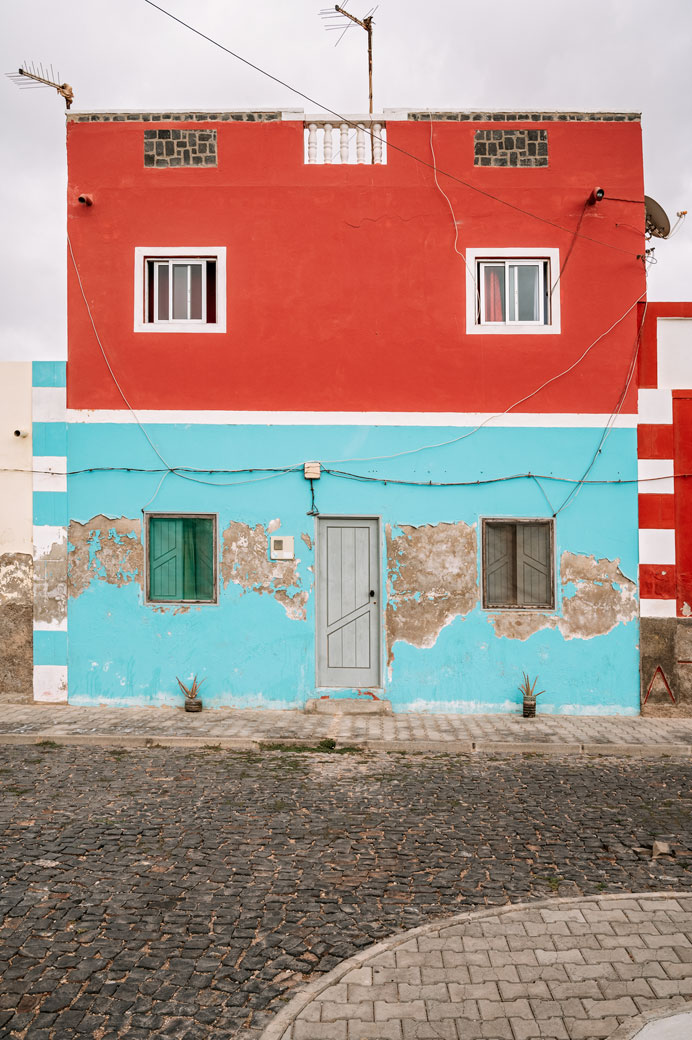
630,55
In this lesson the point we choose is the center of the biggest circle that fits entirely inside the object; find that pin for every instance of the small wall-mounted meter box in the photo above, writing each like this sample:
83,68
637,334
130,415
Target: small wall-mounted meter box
281,547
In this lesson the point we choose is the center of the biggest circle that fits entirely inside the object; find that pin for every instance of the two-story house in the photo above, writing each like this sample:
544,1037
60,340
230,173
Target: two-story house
349,412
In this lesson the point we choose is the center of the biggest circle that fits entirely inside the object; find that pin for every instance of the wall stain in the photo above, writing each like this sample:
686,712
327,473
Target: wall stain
431,579
602,598
105,549
245,562
16,628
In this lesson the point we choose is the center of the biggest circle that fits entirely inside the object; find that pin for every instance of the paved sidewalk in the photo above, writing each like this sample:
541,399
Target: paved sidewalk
567,969
248,729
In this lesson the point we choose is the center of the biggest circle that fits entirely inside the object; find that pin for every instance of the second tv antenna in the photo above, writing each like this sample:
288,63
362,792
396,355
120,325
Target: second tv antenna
337,16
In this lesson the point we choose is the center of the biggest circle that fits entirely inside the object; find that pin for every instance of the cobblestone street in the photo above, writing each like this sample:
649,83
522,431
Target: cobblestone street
190,893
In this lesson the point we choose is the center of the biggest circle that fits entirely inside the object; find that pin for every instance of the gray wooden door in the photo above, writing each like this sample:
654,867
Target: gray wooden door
348,602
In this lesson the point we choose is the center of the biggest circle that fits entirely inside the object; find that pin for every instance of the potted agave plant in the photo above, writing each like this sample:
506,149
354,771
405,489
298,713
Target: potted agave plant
529,693
192,701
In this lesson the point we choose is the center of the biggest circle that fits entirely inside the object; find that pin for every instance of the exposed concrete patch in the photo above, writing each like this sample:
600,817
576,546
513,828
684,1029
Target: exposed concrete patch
50,581
604,597
245,562
520,624
16,628
15,578
432,578
105,549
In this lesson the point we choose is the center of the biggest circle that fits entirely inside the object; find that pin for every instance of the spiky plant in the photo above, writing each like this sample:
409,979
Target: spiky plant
192,692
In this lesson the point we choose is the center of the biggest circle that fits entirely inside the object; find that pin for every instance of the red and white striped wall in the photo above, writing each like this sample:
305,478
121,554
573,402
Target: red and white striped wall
664,439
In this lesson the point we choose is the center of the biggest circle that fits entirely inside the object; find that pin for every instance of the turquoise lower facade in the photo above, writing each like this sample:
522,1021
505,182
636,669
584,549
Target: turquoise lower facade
442,651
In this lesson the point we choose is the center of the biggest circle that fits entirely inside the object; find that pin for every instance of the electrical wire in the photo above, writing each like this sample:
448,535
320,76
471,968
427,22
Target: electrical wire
455,222
396,148
497,415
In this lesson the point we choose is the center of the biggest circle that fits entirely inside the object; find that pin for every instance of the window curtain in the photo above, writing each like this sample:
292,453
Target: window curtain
494,292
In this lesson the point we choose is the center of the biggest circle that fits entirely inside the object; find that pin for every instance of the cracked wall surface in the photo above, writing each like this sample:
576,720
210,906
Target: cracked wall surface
105,549
431,579
16,627
245,562
597,596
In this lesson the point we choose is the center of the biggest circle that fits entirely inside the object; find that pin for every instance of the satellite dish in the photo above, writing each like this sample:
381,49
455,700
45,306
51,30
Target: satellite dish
657,223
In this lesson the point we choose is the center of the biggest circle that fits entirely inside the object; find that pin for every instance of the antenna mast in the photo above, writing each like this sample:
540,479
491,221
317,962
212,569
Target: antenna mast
41,80
365,23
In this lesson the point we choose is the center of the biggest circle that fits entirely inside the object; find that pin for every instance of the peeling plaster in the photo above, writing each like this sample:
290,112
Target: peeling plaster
307,539
596,597
245,562
105,549
432,578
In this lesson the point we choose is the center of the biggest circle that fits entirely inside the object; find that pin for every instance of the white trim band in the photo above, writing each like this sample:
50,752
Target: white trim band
48,403
515,420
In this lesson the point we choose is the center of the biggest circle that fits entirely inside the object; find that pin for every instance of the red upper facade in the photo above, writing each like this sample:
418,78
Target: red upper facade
340,287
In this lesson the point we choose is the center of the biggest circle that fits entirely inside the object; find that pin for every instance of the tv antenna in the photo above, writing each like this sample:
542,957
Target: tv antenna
38,77
337,17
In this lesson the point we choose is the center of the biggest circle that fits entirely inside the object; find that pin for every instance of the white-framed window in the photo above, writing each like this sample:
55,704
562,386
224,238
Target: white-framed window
181,289
509,291
518,564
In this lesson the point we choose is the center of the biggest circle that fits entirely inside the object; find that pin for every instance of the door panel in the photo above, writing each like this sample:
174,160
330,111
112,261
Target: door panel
348,616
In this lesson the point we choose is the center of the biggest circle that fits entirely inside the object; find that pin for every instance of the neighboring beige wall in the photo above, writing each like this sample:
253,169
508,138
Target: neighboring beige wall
16,533
16,506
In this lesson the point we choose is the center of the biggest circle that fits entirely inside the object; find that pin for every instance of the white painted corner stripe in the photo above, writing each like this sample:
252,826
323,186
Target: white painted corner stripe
657,545
656,476
657,607
51,626
48,403
50,682
49,473
463,419
46,537
656,406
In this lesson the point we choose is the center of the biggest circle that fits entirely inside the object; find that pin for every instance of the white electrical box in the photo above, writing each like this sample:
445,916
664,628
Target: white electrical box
281,547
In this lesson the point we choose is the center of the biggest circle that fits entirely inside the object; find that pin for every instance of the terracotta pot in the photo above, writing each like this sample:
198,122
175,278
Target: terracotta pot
529,708
193,704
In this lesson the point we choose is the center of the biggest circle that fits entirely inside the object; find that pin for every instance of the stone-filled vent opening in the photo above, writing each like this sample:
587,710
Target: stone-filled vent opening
510,148
168,148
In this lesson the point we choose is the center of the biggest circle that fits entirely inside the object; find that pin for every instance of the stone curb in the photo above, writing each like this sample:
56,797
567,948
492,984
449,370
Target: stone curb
629,1030
276,1029
451,747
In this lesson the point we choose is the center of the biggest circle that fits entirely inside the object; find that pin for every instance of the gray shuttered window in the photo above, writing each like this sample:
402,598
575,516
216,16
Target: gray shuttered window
518,564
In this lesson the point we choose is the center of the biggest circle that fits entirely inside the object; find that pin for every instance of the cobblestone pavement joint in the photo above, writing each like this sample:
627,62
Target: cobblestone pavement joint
566,969
248,729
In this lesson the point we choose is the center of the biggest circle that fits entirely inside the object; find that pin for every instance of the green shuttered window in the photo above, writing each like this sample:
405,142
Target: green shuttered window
182,558
518,564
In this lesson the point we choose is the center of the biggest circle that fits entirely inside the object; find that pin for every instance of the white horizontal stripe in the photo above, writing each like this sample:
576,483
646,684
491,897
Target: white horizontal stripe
50,473
50,682
51,626
655,406
515,419
48,403
656,476
657,545
46,537
657,607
